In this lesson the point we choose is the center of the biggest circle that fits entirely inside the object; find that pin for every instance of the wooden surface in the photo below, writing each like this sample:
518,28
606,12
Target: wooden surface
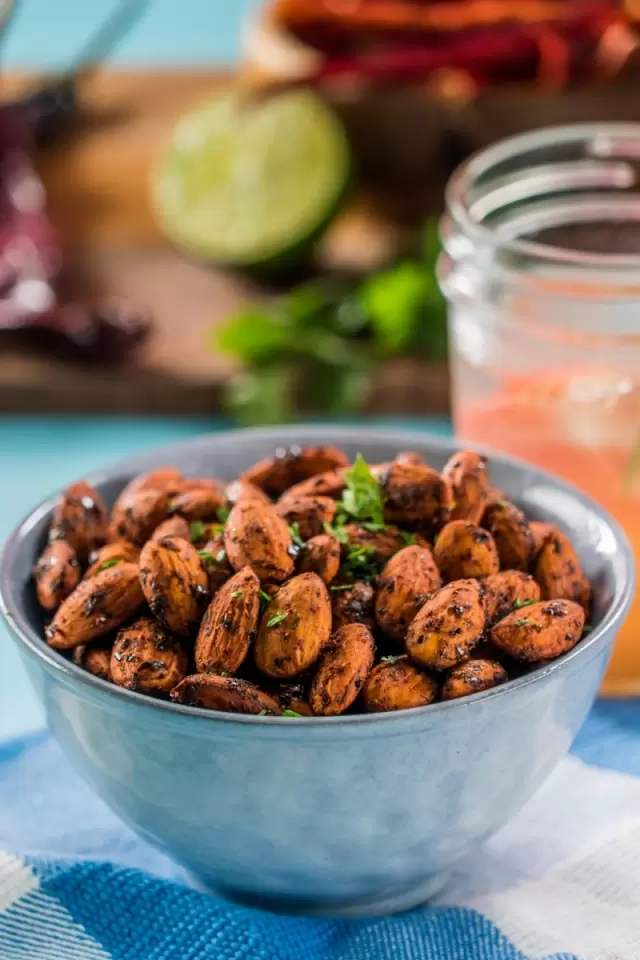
98,185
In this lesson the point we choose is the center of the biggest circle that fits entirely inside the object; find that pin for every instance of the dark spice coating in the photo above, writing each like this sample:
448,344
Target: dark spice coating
543,631
56,574
80,517
119,551
174,583
416,494
398,685
320,555
472,677
448,626
229,625
354,605
342,670
257,537
463,550
329,484
95,660
467,473
507,591
294,628
559,572
310,513
148,659
96,607
224,693
405,584
382,543
512,534
292,465
345,557
135,516
198,504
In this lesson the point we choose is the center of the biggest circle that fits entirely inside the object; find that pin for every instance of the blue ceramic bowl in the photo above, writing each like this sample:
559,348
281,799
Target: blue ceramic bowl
354,815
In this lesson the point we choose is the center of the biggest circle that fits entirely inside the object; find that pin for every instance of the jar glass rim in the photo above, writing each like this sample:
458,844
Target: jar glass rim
605,138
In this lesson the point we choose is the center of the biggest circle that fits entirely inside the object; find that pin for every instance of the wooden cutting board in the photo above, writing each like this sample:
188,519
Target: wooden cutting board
98,185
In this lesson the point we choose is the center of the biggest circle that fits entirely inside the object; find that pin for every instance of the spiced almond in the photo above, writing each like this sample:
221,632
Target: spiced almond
97,606
174,583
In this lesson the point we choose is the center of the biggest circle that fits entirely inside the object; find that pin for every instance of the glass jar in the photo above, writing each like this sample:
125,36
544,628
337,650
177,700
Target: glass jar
541,267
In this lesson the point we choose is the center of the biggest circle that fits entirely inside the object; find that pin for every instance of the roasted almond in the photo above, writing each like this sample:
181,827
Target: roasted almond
511,533
229,625
320,555
466,471
559,573
294,628
164,478
409,456
56,574
255,536
198,504
95,660
189,484
463,550
119,551
228,694
508,591
80,517
291,465
403,588
342,670
174,583
540,531
472,677
353,603
97,606
416,494
543,631
243,490
136,515
395,684
379,545
173,527
448,626
329,484
309,513
147,659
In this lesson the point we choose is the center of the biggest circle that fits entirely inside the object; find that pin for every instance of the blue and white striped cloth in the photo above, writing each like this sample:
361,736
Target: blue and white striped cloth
561,880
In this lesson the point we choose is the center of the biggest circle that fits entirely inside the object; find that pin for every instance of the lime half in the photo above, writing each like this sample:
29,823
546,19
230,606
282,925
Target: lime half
250,182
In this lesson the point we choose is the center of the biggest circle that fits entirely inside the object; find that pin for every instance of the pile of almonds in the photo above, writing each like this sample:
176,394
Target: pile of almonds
309,587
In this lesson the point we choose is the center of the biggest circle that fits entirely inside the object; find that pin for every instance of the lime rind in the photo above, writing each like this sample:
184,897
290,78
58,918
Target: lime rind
247,182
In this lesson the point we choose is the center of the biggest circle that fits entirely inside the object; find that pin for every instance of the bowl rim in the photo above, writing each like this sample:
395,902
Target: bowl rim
54,662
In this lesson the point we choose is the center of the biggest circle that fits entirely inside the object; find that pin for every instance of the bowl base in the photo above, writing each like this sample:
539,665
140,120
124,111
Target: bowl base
398,902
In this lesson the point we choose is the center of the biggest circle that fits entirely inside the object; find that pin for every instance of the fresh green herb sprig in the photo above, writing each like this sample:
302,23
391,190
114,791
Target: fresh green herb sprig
318,347
113,562
276,618
196,531
291,713
362,498
519,604
294,531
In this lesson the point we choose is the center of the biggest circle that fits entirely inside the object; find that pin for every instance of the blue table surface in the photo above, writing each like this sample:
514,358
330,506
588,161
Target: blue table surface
39,455
50,33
